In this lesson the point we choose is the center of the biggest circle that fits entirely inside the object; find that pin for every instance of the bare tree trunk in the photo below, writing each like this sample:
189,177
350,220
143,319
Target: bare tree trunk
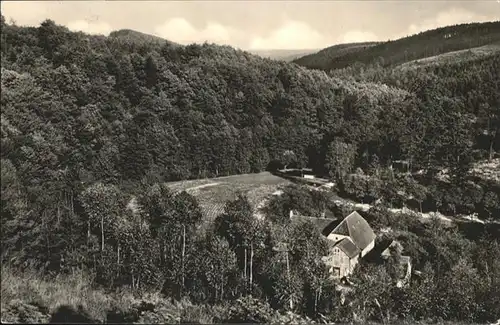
492,144
102,233
222,289
118,253
245,265
162,254
316,302
183,253
72,204
45,231
288,275
251,265
491,151
320,291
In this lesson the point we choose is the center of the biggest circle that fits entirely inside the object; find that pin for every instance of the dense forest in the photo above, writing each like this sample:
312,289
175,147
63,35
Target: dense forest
425,44
323,58
87,121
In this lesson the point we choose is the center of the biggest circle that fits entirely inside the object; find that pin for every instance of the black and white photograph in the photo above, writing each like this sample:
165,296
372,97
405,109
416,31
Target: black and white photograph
246,161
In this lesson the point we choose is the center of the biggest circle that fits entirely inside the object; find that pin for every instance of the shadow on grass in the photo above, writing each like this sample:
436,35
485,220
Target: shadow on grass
68,315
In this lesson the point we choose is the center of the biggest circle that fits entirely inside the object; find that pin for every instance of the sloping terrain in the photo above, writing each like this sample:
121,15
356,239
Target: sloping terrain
425,44
212,194
133,35
454,56
324,57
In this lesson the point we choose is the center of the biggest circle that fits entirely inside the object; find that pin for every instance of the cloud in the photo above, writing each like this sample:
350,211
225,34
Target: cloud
181,31
291,35
355,36
90,27
17,10
453,16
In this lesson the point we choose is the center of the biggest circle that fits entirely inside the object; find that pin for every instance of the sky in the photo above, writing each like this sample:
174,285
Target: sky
257,25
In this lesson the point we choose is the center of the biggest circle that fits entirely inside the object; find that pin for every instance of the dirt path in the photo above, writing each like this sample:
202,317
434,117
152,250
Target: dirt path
201,186
365,207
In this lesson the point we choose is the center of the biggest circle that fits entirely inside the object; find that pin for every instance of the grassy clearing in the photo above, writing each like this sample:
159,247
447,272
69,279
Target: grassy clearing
455,56
213,193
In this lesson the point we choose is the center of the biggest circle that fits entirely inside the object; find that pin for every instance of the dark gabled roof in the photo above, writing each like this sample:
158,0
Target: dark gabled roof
348,247
330,226
356,227
320,223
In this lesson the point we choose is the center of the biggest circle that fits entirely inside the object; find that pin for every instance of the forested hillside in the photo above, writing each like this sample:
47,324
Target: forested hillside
326,56
470,86
87,122
211,110
424,44
135,36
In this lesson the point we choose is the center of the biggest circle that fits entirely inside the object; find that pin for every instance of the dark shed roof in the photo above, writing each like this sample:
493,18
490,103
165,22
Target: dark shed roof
348,247
320,223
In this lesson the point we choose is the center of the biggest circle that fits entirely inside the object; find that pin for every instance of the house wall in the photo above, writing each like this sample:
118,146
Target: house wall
337,259
407,276
352,263
368,248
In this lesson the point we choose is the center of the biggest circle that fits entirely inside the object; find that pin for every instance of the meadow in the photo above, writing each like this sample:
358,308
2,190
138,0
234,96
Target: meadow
213,193
454,56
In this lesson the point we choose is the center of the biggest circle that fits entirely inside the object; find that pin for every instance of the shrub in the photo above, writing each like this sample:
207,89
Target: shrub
17,311
361,187
250,310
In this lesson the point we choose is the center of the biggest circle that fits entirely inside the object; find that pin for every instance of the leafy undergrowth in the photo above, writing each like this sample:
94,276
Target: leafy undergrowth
29,298
251,310
489,170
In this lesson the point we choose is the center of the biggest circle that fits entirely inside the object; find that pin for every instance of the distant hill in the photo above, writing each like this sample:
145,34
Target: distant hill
423,45
283,55
138,36
454,56
322,58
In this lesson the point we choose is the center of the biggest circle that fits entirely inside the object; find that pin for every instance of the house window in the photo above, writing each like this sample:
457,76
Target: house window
336,272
